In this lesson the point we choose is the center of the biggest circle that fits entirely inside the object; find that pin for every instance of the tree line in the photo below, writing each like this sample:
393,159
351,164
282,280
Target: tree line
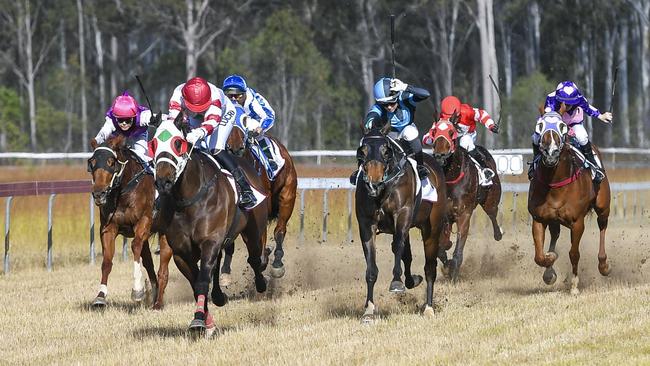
62,62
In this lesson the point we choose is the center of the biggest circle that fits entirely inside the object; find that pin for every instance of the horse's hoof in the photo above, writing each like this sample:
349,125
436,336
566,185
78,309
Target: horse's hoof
277,272
604,268
549,276
445,269
413,281
260,284
428,312
157,306
574,285
197,326
225,279
397,287
138,295
219,299
498,235
99,303
368,319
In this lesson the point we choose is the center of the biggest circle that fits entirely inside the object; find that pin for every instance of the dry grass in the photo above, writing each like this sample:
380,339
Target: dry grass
500,313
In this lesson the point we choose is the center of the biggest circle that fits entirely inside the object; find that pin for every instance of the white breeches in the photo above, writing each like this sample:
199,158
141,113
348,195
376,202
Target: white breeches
219,137
467,141
140,148
408,133
580,133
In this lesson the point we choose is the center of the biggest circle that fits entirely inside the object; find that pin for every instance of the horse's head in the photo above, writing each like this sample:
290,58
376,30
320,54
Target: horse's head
444,139
552,131
377,155
236,142
170,153
106,166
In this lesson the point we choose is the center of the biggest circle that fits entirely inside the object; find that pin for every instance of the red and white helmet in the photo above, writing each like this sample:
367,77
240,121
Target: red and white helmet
197,95
125,106
449,106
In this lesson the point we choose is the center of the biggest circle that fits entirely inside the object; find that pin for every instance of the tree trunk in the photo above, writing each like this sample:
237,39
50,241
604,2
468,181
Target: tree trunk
82,67
114,67
622,85
506,47
100,64
608,64
644,111
190,41
29,74
489,66
533,37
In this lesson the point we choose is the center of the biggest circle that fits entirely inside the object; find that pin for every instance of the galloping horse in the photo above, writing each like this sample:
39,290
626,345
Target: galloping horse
282,191
124,193
562,193
387,201
464,192
201,217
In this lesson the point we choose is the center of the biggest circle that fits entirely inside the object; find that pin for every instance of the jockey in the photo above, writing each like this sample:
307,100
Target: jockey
468,116
260,115
395,104
207,109
126,117
575,104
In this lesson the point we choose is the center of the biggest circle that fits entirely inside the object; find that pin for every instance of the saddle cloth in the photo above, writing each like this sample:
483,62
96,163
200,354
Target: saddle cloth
429,192
275,152
481,176
258,195
586,163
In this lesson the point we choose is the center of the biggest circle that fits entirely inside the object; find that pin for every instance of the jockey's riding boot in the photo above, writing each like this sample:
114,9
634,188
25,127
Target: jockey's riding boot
266,149
247,199
415,148
487,172
531,165
586,149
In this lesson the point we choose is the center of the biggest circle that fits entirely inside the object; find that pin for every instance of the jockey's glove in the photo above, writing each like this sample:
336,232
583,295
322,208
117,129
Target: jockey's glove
196,134
252,124
154,121
397,85
494,128
605,117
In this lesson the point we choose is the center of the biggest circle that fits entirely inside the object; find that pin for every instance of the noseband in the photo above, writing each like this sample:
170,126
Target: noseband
116,174
393,169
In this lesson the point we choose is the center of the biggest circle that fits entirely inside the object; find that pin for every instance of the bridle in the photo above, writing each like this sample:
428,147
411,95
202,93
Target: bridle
115,171
393,169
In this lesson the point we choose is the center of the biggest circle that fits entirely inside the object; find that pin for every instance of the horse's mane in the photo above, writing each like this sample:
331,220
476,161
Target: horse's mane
117,142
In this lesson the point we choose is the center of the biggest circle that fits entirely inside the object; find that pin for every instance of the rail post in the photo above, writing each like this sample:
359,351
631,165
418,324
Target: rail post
350,215
50,203
514,210
325,214
302,216
92,230
7,221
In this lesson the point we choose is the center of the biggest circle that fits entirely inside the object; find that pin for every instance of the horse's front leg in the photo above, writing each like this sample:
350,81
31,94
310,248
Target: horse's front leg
577,230
163,270
203,321
543,259
287,200
461,238
550,276
142,232
108,235
410,280
367,230
402,225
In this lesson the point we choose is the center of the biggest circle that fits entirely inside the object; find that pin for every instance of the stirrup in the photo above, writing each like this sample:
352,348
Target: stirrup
599,175
423,172
247,200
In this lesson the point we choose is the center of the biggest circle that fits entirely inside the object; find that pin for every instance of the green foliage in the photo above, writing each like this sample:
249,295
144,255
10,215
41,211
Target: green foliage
10,115
528,96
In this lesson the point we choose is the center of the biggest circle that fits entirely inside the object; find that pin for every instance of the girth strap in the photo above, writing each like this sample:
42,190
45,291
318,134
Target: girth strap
184,203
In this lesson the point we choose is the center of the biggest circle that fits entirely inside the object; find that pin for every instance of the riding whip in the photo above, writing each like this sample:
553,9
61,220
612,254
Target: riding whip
611,103
498,124
144,92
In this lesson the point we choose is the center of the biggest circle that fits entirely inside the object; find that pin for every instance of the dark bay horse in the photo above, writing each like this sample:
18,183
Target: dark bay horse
387,202
562,193
201,217
282,191
124,193
463,191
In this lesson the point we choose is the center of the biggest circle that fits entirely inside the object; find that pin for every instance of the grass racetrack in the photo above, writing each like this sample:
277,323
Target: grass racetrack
500,313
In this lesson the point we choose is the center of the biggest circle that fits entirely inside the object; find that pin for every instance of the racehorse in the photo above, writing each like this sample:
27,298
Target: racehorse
282,193
387,201
201,217
562,193
124,193
464,192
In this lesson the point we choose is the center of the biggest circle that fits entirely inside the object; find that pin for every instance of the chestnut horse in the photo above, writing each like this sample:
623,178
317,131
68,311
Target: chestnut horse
282,193
464,192
387,201
562,193
124,193
201,217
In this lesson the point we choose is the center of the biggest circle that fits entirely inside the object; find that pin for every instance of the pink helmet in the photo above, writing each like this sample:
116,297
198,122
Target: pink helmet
125,106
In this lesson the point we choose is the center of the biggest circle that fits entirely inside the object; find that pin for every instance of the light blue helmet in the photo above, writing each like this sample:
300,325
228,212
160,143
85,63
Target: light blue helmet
568,93
234,84
382,92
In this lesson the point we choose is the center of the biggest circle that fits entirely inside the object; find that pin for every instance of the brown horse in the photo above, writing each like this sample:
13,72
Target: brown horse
124,193
562,193
464,192
387,202
282,193
201,217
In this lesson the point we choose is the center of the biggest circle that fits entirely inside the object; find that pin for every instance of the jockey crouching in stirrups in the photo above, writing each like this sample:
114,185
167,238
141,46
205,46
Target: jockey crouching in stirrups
395,104
209,111
128,118
575,105
468,117
260,115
